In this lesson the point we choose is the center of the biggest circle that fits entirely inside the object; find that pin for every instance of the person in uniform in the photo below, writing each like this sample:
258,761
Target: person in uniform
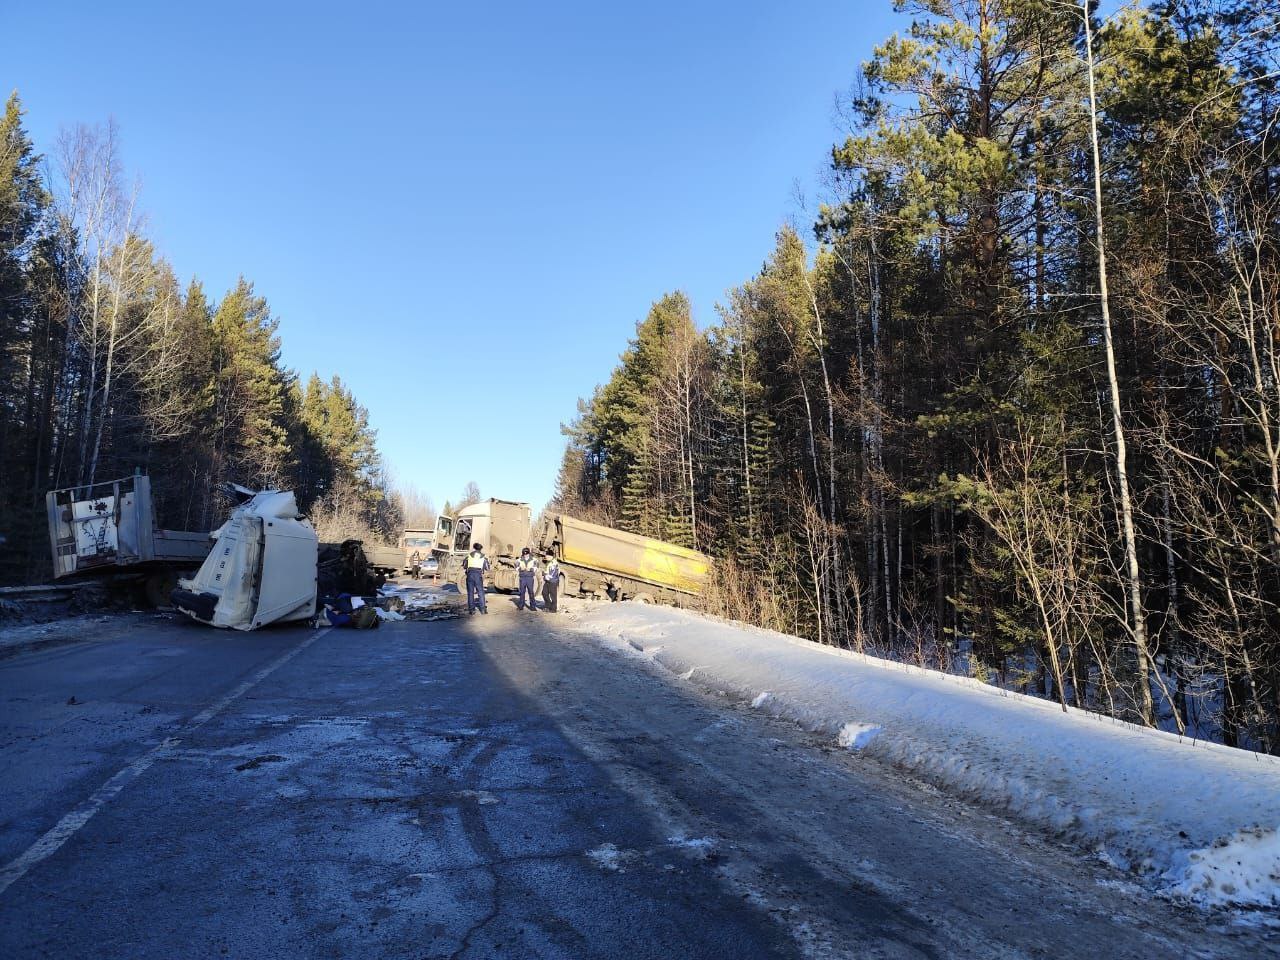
477,565
550,583
527,568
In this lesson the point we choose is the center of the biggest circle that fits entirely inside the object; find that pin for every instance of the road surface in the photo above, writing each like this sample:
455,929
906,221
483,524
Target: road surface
496,786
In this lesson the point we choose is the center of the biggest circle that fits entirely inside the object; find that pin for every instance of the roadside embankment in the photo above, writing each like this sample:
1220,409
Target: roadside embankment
1198,819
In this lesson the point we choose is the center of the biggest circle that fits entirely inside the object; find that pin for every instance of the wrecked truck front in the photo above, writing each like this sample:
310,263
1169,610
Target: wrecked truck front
262,569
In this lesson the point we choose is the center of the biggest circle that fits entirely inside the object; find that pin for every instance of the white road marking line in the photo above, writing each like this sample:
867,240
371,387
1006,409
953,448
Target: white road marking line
66,828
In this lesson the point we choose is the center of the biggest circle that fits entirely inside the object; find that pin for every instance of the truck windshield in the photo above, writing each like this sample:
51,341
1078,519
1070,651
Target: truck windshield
417,541
444,526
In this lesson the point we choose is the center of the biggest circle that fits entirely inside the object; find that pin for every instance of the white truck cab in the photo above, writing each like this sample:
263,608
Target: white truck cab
502,527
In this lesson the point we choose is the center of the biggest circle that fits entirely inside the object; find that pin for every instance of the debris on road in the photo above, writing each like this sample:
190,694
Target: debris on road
345,610
421,602
608,857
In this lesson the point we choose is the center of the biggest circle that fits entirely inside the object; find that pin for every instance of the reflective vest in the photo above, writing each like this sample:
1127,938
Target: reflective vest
476,561
527,564
553,572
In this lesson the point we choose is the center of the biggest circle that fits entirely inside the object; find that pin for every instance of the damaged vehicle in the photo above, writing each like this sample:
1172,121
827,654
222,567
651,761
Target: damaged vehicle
107,531
262,568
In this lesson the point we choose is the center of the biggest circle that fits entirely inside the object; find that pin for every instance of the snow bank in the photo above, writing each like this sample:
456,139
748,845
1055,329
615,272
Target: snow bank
1199,818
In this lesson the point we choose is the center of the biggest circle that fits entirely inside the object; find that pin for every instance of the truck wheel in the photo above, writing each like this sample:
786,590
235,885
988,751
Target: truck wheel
642,598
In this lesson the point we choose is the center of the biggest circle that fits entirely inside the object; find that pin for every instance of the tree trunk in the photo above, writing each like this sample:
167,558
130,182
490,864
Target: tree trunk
1141,652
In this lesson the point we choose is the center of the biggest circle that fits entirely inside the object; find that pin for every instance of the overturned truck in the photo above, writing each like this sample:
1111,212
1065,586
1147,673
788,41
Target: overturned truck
262,568
600,561
268,566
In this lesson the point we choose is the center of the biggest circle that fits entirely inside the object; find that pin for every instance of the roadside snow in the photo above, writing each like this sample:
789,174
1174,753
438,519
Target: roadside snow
1198,818
1240,869
856,735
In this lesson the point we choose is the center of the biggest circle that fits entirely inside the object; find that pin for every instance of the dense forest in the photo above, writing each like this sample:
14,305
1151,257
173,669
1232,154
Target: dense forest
1009,405
109,363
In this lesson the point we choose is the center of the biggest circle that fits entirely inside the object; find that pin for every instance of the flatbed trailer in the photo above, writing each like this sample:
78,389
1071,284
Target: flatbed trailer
109,528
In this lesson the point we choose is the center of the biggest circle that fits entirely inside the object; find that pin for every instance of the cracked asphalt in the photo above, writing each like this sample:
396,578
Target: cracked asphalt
497,786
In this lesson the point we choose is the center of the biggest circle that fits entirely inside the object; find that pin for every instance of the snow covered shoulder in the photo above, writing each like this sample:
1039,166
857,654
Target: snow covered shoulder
1200,819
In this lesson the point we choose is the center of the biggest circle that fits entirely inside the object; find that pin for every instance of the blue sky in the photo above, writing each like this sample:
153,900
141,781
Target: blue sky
460,209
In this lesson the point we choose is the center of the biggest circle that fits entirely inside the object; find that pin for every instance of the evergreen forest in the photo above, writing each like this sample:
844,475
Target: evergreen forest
1007,403
109,363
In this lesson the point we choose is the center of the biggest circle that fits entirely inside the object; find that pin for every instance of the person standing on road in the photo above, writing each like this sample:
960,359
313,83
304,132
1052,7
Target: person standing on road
477,566
550,583
527,567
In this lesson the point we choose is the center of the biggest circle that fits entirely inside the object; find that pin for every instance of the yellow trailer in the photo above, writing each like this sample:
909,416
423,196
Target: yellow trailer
601,560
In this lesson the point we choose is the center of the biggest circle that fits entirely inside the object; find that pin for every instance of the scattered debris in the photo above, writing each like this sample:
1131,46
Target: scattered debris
345,610
421,603
700,848
256,762
428,614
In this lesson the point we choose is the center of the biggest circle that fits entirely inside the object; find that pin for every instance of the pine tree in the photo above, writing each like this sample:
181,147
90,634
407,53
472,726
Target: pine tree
23,202
253,405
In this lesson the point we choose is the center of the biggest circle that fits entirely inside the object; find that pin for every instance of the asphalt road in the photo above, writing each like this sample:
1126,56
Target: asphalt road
494,786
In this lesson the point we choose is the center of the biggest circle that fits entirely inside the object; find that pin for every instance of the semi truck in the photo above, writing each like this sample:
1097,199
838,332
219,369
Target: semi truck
500,526
269,566
262,570
417,547
594,560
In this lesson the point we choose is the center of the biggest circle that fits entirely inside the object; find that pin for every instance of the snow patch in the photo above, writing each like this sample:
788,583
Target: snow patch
1198,819
855,736
699,847
608,857
1241,870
